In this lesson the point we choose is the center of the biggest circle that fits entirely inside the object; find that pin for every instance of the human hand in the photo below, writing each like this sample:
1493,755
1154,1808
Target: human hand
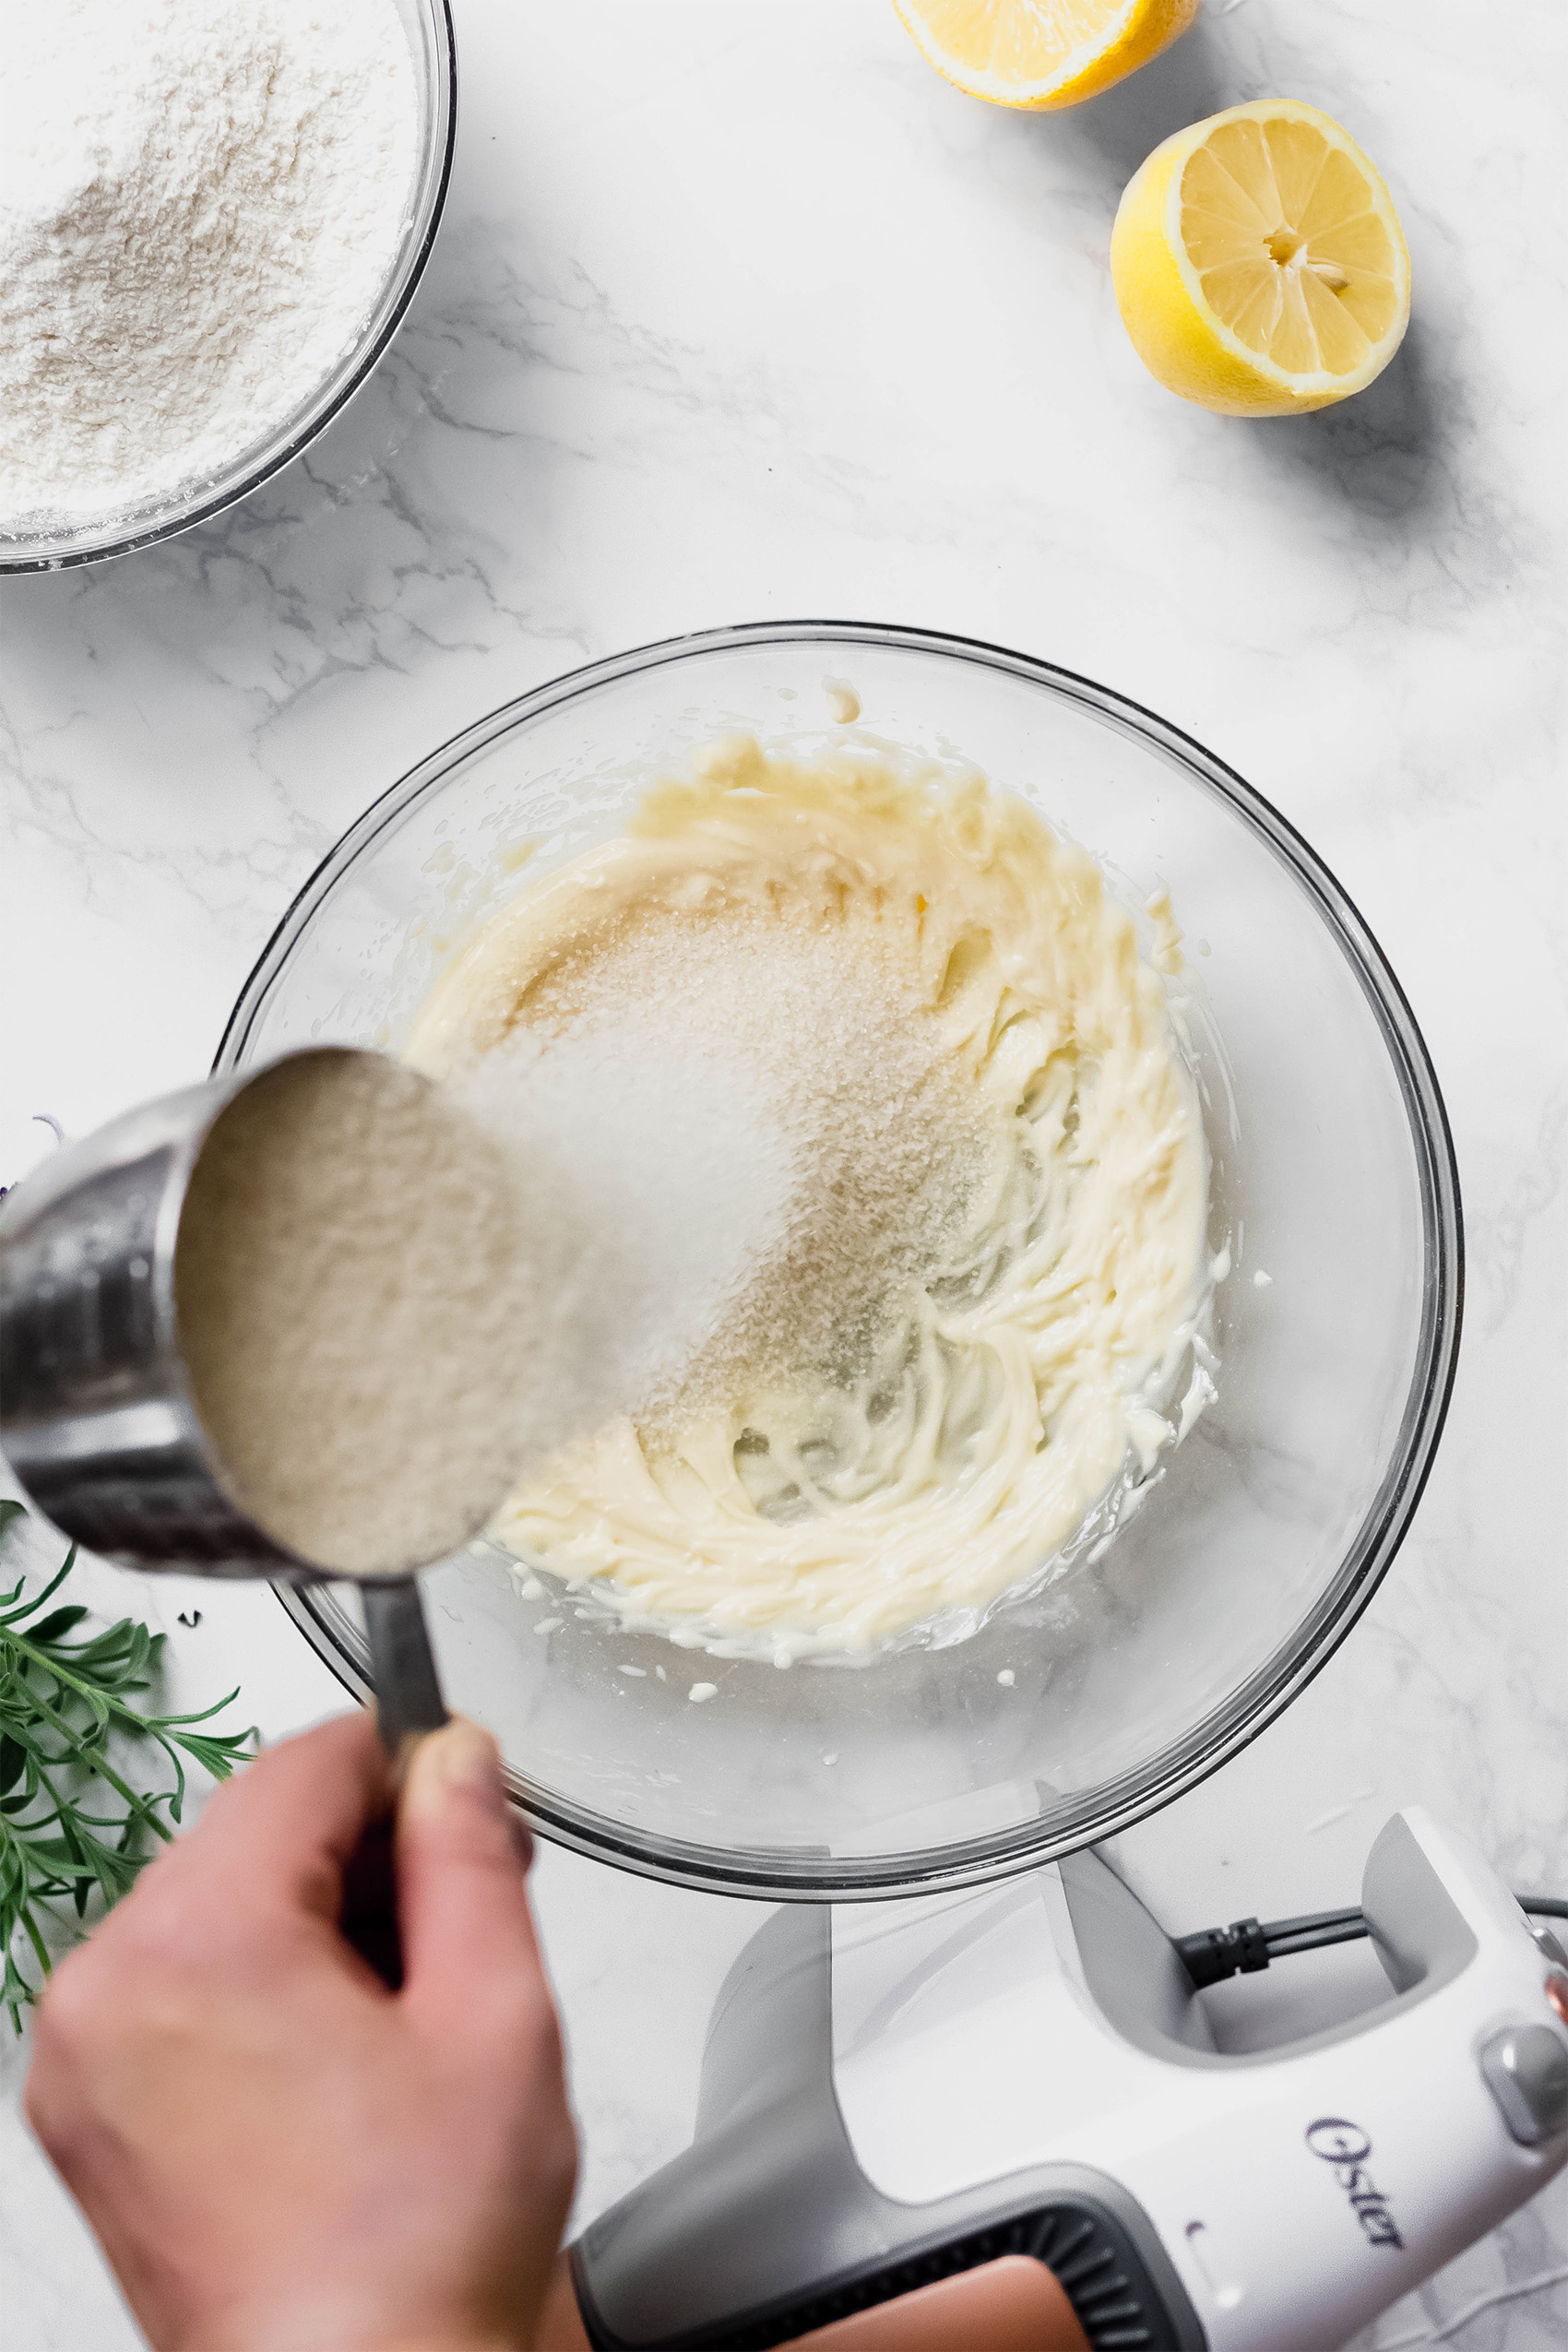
278,2152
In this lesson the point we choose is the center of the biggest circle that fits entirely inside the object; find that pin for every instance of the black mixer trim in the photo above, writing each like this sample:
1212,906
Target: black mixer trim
1085,2248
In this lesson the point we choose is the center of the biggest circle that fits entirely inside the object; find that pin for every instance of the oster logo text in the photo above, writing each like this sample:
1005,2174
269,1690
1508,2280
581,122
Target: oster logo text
1346,2148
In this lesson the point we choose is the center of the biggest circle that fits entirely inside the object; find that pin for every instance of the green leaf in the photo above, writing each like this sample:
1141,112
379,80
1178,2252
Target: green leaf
60,1702
60,1622
30,1607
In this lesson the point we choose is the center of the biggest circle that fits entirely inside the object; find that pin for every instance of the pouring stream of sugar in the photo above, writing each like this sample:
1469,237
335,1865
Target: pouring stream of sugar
318,1320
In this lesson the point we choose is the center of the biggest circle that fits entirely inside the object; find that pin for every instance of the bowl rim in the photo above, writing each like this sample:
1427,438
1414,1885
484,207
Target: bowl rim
783,1874
17,559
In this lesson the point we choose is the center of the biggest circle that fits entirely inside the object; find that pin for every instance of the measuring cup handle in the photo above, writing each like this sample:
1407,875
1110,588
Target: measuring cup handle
407,1692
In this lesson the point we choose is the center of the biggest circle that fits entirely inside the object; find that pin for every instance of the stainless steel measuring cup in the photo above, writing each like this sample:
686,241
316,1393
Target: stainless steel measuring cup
96,1413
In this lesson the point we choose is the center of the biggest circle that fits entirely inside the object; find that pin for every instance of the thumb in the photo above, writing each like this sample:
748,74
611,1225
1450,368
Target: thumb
467,1935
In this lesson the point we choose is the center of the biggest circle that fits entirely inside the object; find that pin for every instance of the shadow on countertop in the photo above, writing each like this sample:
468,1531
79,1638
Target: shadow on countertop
1198,76
1379,451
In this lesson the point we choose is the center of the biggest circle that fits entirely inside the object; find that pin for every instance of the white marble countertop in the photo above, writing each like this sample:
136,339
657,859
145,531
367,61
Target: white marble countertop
738,311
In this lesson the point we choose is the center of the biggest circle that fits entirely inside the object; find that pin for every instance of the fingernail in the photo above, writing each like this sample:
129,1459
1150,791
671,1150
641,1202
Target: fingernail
460,1755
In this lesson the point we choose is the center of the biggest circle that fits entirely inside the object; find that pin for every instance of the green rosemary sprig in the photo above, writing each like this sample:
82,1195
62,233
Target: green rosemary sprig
60,1703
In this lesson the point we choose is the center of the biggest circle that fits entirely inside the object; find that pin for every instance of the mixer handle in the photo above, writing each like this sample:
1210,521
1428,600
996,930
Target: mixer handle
1414,1919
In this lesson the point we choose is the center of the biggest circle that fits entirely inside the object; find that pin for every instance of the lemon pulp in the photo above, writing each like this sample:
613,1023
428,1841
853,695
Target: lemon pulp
1287,247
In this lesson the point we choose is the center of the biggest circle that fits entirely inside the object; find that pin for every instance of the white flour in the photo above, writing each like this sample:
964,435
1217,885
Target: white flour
199,203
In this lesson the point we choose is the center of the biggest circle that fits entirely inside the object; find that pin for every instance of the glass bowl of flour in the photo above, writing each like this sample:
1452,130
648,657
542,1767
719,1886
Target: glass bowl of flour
1273,1473
212,219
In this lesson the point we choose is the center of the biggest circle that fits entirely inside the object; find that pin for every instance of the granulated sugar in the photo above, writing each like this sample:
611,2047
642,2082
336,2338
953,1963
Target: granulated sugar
652,1182
744,1129
200,203
708,1163
356,1314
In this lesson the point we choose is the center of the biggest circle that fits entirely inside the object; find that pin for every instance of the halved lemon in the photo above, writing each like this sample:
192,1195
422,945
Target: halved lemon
1042,53
1259,264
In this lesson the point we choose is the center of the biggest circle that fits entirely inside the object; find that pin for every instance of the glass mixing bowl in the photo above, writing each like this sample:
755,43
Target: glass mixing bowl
1151,1660
428,24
